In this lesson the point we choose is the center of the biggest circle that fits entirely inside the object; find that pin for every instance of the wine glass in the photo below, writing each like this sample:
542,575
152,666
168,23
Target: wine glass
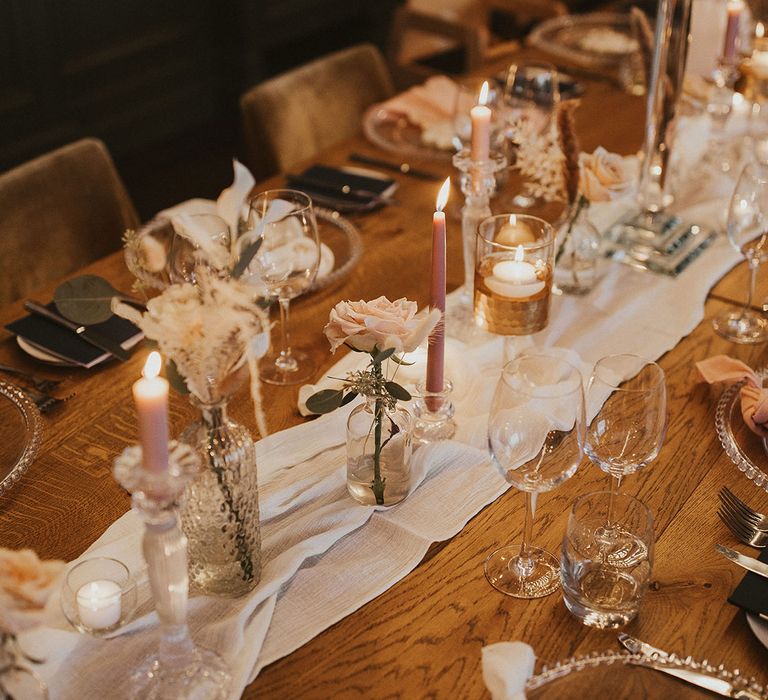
535,436
627,413
531,95
747,229
199,241
286,265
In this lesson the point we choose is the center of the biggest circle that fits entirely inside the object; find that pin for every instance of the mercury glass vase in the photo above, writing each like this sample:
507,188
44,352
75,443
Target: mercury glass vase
379,445
221,512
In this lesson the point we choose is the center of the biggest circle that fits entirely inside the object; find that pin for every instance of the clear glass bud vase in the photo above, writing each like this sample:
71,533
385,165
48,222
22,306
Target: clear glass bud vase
379,453
578,250
220,516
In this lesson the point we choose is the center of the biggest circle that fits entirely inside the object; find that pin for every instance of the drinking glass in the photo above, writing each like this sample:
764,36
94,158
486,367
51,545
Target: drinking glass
535,436
531,95
627,413
199,240
286,265
604,587
747,229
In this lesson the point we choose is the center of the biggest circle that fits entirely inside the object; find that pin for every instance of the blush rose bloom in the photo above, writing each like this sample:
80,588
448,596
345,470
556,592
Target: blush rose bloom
379,323
603,176
26,582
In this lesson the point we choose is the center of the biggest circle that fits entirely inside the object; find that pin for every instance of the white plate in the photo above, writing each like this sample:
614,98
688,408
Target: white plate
759,628
39,354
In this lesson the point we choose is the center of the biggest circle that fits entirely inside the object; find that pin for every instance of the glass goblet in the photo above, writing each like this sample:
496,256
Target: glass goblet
199,241
286,265
747,229
627,418
535,436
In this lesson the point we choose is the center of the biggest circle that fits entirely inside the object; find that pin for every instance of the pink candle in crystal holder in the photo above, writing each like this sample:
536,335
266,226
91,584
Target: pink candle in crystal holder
436,348
735,9
150,393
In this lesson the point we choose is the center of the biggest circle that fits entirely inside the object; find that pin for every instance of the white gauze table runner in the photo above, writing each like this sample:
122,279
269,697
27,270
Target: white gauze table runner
324,556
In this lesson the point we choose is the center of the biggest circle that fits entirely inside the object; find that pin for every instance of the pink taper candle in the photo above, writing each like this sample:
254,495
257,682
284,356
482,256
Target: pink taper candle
481,127
150,393
436,348
735,8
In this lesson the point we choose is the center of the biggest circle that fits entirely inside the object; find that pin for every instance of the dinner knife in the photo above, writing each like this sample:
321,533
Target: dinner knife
89,336
747,563
403,168
697,678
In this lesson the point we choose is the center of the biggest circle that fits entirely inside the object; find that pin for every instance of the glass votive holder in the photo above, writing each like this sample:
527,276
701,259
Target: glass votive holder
433,414
98,596
606,558
513,274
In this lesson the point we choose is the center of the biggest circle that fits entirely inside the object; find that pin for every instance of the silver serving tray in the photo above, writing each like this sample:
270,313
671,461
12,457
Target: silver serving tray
21,434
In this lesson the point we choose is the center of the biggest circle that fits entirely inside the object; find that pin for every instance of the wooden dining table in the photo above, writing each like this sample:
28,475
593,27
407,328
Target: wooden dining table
422,637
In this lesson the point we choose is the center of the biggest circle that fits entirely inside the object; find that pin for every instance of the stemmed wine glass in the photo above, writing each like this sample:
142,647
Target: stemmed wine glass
286,264
535,436
748,232
627,413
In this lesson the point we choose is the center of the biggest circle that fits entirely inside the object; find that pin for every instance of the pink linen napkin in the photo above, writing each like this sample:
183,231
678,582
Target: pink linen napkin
428,104
754,398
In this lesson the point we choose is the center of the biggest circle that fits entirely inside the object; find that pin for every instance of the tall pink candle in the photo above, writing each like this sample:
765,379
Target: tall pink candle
480,115
735,8
150,394
436,348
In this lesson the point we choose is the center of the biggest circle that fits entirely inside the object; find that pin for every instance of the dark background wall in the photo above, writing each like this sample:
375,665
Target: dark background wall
157,80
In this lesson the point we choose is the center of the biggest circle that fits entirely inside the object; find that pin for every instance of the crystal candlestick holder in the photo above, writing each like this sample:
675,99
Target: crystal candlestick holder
478,183
179,669
433,413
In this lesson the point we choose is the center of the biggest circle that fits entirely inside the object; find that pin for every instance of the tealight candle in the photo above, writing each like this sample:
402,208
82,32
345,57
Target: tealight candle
98,604
515,278
150,393
514,232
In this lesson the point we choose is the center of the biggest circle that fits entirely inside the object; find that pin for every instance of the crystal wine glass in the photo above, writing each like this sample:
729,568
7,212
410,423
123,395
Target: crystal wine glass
747,229
535,436
286,264
531,95
627,413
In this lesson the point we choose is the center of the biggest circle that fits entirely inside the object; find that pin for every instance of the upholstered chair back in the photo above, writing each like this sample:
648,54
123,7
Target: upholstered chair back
59,212
295,115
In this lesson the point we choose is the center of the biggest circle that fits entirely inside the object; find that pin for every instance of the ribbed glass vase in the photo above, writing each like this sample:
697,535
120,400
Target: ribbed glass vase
220,516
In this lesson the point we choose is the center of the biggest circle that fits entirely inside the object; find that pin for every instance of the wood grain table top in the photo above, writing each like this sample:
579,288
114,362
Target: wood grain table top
422,637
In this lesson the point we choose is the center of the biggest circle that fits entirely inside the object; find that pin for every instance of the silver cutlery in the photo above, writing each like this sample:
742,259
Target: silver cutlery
404,168
748,514
745,562
45,402
659,660
39,383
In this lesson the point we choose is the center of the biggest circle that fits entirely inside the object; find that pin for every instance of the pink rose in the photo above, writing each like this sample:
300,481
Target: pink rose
602,175
379,323
26,582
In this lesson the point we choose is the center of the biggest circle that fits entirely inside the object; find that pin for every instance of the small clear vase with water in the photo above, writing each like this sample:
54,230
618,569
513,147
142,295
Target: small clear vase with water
578,250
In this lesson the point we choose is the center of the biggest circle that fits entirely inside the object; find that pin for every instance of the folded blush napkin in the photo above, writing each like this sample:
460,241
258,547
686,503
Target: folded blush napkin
754,398
506,668
428,104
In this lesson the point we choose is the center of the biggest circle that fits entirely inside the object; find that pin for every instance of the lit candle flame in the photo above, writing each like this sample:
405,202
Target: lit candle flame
442,195
152,365
483,94
519,253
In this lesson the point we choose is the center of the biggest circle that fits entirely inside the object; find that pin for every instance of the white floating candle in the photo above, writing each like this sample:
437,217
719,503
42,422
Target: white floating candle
150,394
514,278
98,604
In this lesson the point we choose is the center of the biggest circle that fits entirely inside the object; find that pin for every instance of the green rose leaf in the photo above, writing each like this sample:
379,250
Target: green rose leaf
397,391
325,401
349,396
378,356
86,299
175,378
246,256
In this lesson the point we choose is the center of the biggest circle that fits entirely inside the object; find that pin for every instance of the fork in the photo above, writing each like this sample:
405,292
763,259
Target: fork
45,402
748,515
743,530
41,384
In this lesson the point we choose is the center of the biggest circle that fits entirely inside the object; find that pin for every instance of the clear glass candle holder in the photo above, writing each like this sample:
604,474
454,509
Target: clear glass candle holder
98,596
433,414
513,274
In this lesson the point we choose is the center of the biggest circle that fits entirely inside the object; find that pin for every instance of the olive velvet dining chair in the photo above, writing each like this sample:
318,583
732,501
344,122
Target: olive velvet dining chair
59,212
293,116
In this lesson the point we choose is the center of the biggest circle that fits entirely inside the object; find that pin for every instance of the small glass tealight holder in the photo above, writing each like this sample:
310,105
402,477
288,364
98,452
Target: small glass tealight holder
433,413
98,596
